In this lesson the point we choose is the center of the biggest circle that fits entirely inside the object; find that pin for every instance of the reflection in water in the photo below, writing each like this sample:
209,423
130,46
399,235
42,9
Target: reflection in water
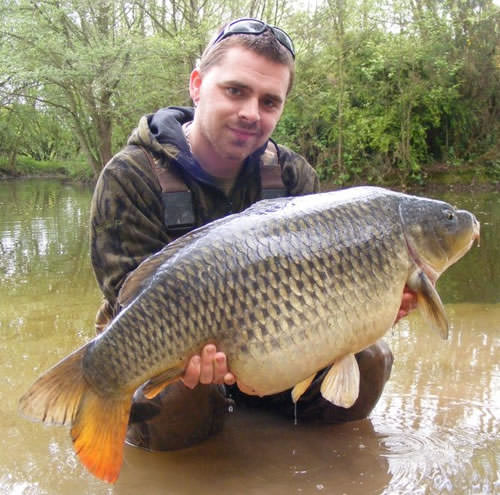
435,430
259,453
445,409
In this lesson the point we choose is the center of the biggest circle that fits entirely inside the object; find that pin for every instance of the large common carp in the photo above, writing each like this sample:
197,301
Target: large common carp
285,288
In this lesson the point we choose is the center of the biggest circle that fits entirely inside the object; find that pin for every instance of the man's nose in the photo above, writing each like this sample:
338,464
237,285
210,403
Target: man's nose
249,110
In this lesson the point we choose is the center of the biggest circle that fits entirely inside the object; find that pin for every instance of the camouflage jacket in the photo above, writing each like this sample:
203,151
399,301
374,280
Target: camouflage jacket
127,221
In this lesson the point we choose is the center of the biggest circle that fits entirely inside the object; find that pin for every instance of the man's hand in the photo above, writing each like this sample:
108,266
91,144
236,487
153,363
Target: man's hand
408,303
209,367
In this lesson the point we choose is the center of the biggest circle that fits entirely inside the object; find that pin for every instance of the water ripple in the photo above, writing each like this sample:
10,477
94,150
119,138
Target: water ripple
446,455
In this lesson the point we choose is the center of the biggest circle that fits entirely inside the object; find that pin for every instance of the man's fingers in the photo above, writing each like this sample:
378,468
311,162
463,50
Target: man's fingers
220,367
191,376
209,367
408,303
207,364
229,378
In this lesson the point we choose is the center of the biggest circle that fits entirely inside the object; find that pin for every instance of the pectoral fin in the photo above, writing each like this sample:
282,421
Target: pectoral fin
341,384
301,387
429,303
156,384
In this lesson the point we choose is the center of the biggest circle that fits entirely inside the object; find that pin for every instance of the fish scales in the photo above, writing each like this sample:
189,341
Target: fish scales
285,289
292,251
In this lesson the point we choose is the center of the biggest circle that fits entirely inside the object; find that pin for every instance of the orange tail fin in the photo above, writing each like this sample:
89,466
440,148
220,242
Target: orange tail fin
99,424
99,433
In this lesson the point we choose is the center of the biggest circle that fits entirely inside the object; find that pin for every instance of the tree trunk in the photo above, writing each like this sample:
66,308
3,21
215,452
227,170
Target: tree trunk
105,130
11,164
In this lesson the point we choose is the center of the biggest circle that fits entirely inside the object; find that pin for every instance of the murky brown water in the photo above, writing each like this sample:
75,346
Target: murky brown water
435,430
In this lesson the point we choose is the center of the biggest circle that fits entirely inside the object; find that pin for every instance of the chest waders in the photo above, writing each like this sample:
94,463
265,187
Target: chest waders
177,199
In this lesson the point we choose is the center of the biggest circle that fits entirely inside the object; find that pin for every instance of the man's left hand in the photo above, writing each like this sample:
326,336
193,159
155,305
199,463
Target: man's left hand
408,303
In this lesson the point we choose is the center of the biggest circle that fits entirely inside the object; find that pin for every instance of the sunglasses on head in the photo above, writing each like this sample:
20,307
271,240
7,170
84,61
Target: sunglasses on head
255,26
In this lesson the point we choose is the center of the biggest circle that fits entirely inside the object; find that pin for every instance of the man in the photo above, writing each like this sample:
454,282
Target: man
182,169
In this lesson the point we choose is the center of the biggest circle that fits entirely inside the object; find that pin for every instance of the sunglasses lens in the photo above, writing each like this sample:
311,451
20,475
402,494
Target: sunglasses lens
247,26
255,26
284,39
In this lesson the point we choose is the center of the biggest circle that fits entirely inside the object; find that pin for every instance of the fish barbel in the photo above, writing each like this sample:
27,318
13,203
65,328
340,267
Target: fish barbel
285,288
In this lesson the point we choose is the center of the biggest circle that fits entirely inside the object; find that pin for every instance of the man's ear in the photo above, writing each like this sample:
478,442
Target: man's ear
195,85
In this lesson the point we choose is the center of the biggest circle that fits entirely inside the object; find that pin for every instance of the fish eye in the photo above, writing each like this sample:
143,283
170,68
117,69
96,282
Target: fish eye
450,215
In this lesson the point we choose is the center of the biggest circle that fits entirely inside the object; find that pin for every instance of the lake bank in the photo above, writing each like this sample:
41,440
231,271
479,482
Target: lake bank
435,177
28,168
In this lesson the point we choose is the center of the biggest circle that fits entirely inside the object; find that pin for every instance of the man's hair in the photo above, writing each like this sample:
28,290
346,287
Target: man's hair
264,44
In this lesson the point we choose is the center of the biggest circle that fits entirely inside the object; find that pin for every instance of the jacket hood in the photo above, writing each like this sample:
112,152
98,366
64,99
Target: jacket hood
162,134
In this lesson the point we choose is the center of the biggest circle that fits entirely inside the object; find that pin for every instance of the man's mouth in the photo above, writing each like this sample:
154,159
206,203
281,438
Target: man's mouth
243,133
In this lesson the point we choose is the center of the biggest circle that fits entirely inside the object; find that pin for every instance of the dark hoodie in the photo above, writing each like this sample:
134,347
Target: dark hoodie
128,214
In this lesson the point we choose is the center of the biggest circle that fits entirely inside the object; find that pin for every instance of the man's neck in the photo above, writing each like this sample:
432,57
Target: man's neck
224,169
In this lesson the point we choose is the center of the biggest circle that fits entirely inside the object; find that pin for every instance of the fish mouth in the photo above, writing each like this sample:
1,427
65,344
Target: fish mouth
476,234
475,237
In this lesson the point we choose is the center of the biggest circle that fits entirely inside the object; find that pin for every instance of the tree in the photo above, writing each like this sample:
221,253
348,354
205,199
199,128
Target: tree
382,88
74,53
101,64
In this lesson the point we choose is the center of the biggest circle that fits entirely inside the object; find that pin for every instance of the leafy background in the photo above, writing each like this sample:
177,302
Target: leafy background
389,92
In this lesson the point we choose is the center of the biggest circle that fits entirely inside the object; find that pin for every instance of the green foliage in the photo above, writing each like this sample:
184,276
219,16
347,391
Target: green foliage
383,91
381,105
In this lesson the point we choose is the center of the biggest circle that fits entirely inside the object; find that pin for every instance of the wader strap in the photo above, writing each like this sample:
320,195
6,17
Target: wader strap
176,198
178,201
271,182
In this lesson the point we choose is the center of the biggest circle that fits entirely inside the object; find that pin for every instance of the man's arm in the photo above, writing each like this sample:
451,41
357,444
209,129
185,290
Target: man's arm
126,222
298,175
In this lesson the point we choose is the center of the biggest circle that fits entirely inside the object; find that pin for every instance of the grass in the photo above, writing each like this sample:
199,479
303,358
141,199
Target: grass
76,169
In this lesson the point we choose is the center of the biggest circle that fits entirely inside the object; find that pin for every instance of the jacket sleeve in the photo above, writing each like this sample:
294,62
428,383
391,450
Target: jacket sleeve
126,222
298,175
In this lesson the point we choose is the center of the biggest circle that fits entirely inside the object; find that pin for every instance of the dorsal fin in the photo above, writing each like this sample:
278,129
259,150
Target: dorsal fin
139,279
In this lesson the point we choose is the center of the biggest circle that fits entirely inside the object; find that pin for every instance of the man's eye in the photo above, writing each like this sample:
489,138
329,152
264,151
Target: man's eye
270,103
233,91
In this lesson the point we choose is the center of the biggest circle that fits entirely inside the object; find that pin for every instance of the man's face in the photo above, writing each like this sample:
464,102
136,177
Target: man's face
239,102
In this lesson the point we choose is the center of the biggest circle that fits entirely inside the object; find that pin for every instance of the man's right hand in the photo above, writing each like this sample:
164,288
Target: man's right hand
208,367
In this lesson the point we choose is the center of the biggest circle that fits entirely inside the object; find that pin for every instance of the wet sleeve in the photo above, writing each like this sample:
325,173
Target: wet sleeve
298,175
126,223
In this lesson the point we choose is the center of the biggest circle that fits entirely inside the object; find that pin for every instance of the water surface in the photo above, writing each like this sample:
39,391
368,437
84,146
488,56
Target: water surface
435,430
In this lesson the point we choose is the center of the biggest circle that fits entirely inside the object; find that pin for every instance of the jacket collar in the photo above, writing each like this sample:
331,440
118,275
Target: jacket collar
165,127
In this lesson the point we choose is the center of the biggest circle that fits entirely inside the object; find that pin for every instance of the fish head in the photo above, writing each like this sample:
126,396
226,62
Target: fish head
437,234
